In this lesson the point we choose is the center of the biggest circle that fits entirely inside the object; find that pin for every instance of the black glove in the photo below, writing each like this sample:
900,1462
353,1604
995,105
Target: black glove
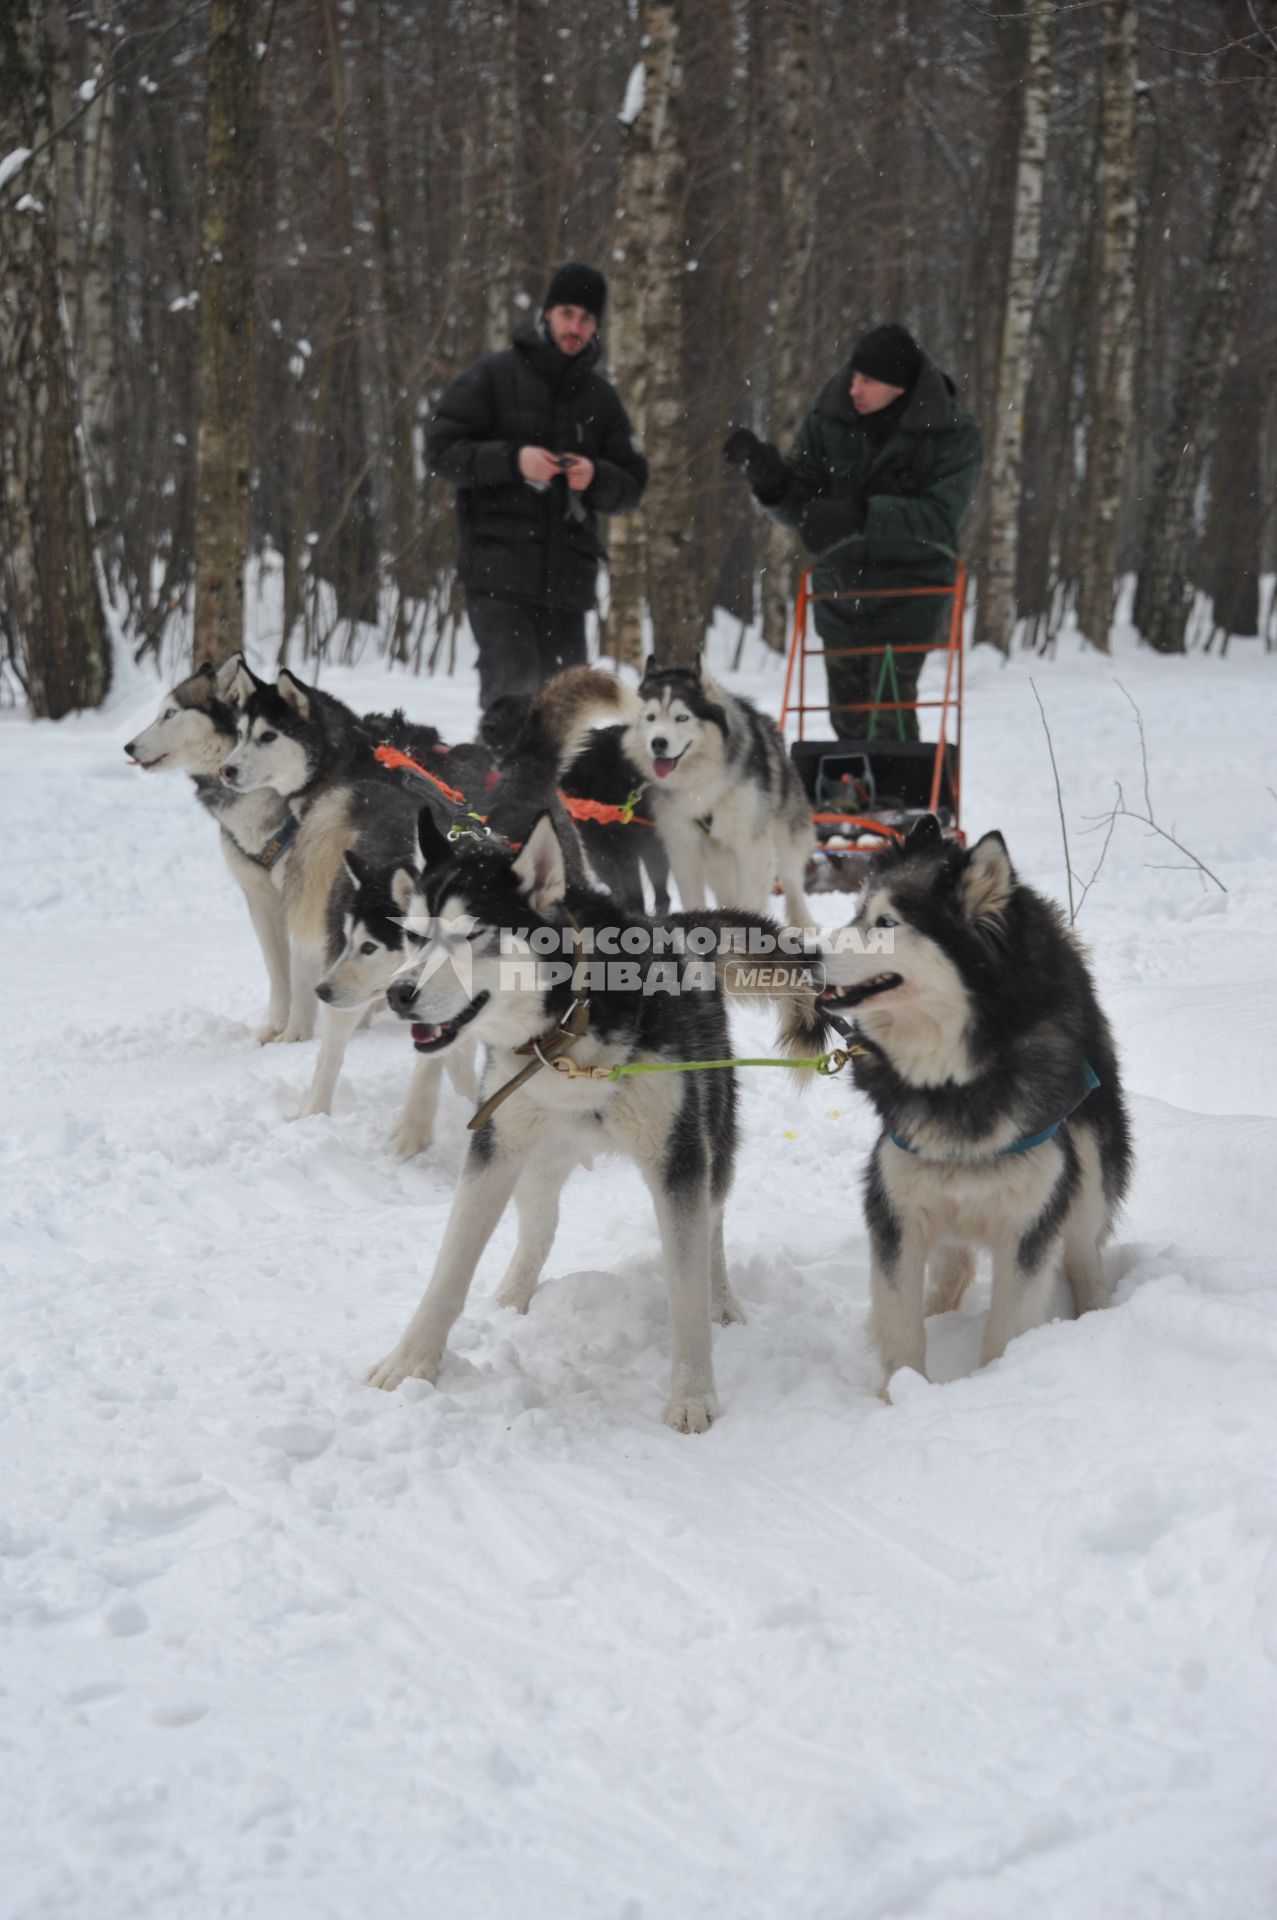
760,463
825,522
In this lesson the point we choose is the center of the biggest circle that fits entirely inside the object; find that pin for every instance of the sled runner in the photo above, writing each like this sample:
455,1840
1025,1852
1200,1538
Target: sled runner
869,789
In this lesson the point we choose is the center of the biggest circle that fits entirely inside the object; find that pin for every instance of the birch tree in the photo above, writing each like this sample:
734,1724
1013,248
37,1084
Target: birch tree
995,620
226,332
626,337
792,369
677,622
50,594
1112,388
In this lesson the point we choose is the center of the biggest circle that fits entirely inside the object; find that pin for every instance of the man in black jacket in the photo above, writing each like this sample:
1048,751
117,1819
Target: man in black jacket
537,444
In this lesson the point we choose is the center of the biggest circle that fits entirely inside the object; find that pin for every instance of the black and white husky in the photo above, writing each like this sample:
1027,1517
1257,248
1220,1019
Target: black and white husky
367,941
473,916
994,1075
722,792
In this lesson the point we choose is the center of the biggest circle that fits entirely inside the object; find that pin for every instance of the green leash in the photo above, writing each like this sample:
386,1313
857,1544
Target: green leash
825,1064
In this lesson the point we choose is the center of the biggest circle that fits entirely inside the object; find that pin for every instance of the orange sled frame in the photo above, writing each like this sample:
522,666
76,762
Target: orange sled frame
840,867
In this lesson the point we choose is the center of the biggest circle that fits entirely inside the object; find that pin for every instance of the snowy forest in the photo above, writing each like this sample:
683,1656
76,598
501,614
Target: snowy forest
245,245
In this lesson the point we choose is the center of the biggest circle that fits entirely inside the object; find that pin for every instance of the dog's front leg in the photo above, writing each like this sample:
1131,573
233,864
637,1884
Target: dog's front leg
304,972
335,1028
897,1279
266,911
460,1061
414,1129
1023,1279
486,1183
537,1199
685,1221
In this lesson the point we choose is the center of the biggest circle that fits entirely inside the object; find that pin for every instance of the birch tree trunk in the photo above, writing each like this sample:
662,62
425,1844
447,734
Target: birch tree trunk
677,624
503,123
626,337
50,596
226,333
792,368
1163,596
995,613
1112,388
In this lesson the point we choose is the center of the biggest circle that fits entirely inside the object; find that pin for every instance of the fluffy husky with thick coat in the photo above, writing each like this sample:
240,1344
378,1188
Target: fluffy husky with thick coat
722,791
472,915
994,1075
195,729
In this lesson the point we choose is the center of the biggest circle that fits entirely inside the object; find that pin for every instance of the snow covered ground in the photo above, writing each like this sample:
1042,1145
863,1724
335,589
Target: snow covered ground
276,1645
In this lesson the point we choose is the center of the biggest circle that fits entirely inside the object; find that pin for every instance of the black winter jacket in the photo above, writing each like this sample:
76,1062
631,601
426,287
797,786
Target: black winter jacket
515,542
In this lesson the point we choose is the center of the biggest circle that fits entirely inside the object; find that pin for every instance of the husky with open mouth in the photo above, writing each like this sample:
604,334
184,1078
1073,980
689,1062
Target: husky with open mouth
995,1077
722,791
475,917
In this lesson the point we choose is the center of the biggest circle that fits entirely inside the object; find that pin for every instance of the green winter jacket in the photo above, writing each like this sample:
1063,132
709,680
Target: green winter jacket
915,487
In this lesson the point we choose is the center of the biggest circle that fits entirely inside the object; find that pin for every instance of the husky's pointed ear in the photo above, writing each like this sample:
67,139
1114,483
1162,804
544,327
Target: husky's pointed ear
988,879
205,670
539,867
356,868
402,882
293,693
435,846
924,836
650,666
236,680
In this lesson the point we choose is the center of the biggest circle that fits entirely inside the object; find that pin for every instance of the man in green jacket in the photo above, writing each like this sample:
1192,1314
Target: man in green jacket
876,484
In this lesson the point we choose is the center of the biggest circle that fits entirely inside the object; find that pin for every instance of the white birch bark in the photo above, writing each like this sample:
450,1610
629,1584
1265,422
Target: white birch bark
792,373
1112,388
995,618
626,340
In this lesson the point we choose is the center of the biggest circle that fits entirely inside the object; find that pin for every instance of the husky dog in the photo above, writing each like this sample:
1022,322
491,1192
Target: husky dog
472,915
722,791
372,901
311,750
994,1075
197,726
618,851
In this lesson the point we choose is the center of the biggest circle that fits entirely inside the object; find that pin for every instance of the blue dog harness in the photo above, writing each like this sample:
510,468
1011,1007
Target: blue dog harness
1030,1140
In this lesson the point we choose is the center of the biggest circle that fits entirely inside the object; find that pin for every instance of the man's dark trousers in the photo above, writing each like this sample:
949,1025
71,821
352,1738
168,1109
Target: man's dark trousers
521,645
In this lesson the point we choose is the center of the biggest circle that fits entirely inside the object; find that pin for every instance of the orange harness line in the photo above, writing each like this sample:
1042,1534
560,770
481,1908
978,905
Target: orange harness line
603,812
879,827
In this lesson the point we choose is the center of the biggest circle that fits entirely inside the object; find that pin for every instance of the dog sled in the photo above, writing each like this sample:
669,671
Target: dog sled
867,791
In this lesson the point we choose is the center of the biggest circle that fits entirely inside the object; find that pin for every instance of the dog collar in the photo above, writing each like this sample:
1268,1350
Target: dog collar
275,848
1024,1145
546,1047
706,823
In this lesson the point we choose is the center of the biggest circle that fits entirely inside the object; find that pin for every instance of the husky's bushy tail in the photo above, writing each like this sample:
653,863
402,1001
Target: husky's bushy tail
564,713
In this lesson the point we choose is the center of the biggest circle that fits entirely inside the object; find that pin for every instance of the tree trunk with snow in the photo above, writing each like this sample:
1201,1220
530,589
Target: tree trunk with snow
226,332
792,366
627,353
677,622
1112,387
995,617
50,595
1163,595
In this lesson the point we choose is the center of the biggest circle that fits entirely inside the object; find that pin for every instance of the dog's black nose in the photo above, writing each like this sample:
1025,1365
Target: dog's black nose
230,775
659,745
325,993
401,994
128,748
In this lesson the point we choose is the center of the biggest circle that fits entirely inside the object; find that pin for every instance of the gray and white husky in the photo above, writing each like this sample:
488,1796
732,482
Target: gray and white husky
995,1078
471,914
722,792
195,729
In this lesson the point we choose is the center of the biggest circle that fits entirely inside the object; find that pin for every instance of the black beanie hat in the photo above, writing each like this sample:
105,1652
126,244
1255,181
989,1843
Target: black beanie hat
888,354
576,285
